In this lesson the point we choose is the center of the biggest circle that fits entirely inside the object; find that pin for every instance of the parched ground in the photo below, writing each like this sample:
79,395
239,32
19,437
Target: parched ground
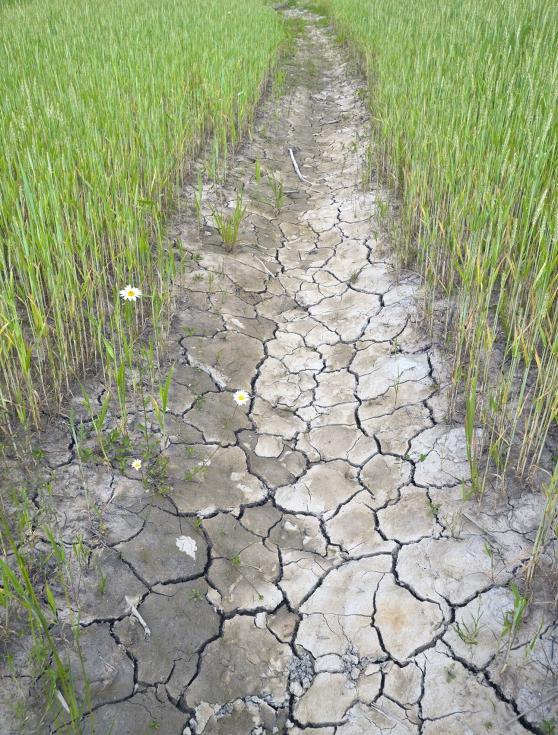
313,577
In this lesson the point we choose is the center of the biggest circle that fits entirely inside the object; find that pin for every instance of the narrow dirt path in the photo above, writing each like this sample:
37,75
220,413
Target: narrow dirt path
308,578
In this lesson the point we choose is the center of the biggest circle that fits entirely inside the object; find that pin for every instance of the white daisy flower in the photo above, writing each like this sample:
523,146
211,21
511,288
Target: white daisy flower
136,464
241,397
130,293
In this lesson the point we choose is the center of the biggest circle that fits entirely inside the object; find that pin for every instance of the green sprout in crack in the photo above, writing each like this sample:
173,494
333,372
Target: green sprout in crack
433,508
469,633
450,673
196,595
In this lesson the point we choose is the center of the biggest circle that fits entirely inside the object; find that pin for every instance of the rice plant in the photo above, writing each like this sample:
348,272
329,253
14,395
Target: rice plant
464,101
103,104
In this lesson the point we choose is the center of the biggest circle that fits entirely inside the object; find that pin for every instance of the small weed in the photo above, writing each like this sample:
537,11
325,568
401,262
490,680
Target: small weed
196,595
276,186
236,560
198,402
198,522
397,383
454,523
353,277
38,453
198,276
488,725
154,725
548,727
470,633
450,673
513,620
103,579
433,508
229,224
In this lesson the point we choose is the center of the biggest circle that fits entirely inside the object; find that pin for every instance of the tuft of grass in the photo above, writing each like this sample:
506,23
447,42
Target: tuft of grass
102,106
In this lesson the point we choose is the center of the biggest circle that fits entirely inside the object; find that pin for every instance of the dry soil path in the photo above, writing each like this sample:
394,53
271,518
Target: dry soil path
308,579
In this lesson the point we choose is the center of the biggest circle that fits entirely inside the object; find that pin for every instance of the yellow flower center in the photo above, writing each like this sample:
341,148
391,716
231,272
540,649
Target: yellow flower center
241,397
131,293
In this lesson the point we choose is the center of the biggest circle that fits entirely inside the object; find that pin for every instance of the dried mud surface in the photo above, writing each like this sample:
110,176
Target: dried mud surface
320,592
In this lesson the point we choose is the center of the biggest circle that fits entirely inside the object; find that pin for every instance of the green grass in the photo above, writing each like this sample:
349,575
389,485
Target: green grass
464,101
103,103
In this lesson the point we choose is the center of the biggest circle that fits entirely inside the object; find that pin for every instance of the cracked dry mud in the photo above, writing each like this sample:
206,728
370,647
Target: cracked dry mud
319,593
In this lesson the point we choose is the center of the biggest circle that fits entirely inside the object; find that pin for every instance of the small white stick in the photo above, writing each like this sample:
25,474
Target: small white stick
138,617
330,122
62,701
220,379
106,663
540,704
264,265
296,168
472,520
390,716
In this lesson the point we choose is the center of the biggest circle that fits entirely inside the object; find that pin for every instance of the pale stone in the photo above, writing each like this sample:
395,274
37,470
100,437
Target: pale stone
269,446
448,569
301,573
283,623
405,623
260,620
285,343
350,589
347,314
341,442
348,259
226,483
337,356
403,683
383,475
320,336
249,582
335,387
342,413
274,421
321,490
377,278
410,519
391,371
232,666
303,359
353,528
231,353
279,387
446,461
300,532
395,430
326,701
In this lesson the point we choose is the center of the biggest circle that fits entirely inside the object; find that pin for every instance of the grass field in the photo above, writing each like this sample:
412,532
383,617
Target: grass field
464,99
103,103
